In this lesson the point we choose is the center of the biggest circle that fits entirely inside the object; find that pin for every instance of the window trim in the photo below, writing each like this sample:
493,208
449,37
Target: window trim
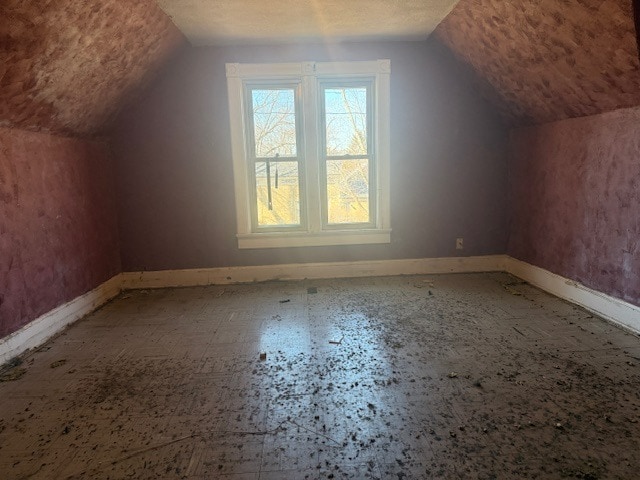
311,75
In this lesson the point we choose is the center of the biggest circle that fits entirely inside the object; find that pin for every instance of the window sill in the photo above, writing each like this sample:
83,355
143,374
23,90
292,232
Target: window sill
306,239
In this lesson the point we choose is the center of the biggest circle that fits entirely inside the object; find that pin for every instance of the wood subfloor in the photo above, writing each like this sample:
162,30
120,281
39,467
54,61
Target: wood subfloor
442,376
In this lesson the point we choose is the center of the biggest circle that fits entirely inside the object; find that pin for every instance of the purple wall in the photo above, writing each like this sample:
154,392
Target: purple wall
575,200
174,168
58,227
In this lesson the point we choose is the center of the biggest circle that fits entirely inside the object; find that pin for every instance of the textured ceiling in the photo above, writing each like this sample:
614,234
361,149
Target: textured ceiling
68,66
549,59
212,22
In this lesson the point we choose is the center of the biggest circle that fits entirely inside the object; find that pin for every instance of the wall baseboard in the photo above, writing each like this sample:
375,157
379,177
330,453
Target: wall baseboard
610,308
301,271
38,331
613,309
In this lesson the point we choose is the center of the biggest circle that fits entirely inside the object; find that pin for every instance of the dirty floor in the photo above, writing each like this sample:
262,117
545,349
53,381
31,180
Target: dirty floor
447,376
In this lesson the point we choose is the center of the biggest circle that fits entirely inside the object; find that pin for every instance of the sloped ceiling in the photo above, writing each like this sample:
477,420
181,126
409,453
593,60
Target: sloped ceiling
549,59
68,66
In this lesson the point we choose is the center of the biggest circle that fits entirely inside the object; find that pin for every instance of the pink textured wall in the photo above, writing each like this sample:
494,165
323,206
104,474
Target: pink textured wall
549,60
175,179
68,66
575,200
58,226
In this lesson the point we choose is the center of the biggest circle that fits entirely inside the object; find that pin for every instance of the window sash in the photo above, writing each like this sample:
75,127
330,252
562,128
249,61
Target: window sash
370,156
253,159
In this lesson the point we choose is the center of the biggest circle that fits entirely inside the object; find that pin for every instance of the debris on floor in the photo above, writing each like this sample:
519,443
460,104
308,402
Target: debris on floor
12,374
426,282
167,385
58,363
14,362
512,291
508,286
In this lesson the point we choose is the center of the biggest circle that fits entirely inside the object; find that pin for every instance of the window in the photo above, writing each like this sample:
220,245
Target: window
310,144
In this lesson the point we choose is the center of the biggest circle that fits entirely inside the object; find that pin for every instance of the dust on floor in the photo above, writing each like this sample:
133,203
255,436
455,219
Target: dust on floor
447,376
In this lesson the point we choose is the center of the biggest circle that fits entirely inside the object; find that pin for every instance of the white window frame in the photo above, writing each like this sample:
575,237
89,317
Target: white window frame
311,75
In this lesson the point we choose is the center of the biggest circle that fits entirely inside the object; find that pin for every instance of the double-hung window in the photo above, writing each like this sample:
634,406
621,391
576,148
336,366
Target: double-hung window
310,145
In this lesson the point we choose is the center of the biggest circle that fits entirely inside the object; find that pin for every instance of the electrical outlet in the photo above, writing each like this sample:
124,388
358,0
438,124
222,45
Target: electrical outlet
459,243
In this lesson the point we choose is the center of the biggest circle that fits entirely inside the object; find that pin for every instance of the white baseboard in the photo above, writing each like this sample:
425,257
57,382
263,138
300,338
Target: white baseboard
613,309
38,331
44,327
301,271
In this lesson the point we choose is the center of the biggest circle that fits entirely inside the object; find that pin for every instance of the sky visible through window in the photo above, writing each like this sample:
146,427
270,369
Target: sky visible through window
278,181
346,120
274,117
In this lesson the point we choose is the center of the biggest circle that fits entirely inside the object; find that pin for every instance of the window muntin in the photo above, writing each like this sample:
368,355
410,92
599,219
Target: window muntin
348,161
273,119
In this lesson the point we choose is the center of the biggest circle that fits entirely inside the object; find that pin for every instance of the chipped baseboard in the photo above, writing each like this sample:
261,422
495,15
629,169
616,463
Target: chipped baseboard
612,309
301,271
38,331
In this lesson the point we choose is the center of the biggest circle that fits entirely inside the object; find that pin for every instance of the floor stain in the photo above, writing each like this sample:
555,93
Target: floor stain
366,378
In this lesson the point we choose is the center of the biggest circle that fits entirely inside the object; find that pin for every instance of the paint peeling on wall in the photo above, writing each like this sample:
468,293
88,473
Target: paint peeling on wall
549,60
575,200
68,67
58,225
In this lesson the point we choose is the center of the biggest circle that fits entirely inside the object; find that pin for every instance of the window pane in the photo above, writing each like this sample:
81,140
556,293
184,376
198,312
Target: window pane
278,193
274,122
348,191
346,120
